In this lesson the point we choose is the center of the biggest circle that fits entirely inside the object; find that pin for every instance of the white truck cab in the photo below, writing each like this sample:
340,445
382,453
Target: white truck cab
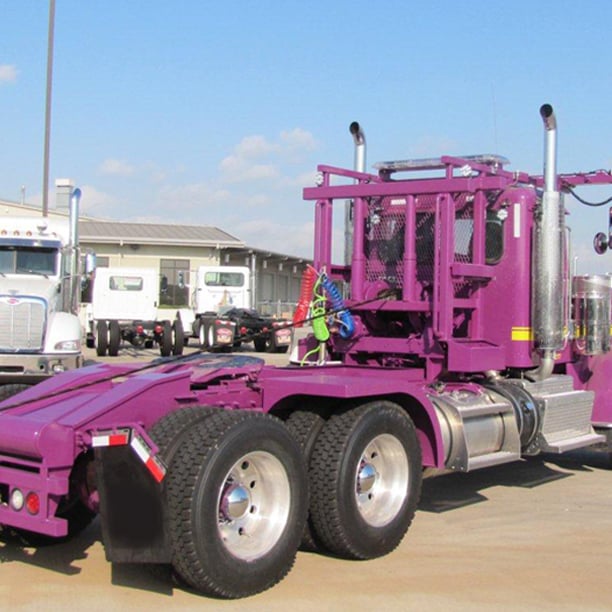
40,331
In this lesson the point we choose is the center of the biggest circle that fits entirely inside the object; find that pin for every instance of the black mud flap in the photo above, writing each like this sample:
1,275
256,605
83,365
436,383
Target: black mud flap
131,508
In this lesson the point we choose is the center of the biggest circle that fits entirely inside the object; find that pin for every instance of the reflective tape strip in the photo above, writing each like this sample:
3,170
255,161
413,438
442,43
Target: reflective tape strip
110,439
521,334
122,438
152,463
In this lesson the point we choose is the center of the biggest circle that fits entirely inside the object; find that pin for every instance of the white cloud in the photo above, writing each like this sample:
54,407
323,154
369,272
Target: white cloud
276,236
236,169
298,139
183,199
97,203
256,158
254,147
116,167
8,73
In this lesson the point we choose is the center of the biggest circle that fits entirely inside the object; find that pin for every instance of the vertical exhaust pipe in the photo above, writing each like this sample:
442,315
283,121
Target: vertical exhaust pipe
359,166
548,247
75,200
360,146
72,278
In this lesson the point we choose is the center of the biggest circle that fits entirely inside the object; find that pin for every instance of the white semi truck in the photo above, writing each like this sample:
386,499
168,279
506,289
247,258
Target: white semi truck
221,316
40,330
124,308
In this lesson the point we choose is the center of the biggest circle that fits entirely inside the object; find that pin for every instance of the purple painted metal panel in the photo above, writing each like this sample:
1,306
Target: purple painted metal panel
600,381
341,382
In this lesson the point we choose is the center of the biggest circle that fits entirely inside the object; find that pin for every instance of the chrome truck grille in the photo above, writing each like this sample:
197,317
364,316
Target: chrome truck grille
22,324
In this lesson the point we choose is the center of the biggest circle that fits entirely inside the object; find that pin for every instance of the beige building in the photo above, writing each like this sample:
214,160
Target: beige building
172,249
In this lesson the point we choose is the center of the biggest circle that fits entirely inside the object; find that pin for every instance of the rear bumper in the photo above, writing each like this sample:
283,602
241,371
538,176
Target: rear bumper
50,490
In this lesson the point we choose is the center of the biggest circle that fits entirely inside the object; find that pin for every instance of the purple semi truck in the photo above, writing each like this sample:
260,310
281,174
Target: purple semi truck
454,337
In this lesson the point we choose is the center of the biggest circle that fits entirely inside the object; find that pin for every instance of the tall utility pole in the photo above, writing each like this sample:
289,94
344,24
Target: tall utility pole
50,36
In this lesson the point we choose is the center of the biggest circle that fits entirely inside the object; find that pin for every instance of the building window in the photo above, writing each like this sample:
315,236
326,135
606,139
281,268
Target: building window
283,288
174,278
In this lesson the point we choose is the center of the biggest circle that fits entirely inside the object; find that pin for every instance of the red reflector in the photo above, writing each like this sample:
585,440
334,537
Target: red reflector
243,331
264,329
32,503
159,329
139,329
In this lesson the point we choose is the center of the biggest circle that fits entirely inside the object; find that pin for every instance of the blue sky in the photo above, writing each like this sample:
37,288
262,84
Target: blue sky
217,113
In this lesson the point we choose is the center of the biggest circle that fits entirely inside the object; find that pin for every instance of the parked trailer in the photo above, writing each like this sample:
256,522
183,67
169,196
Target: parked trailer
124,309
456,349
221,316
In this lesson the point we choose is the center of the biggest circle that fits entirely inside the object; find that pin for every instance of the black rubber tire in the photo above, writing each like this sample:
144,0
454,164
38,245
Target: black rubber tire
202,335
90,342
178,337
165,342
114,338
305,426
199,487
101,338
166,432
11,389
260,344
211,339
339,458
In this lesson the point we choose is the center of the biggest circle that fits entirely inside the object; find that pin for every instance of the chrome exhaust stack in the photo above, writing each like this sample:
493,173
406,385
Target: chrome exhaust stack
360,146
359,166
71,274
75,200
548,247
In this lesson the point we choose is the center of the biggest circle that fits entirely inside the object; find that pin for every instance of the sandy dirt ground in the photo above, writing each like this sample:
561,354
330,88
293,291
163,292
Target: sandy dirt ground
532,535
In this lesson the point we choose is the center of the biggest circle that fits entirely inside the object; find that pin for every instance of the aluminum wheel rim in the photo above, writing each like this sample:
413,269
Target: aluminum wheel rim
381,480
253,505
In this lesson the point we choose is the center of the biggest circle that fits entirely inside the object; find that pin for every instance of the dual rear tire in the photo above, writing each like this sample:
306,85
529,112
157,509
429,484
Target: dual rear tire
236,498
236,491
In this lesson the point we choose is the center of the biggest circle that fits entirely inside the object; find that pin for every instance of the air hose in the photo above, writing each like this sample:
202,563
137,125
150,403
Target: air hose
317,311
345,318
301,311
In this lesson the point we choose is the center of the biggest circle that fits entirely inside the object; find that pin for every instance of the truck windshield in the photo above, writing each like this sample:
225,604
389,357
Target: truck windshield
224,279
125,283
28,260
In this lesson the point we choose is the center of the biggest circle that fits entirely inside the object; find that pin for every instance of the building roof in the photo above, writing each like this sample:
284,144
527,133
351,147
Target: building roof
111,232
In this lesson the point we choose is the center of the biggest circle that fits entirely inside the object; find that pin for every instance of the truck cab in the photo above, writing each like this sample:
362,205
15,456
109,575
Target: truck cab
40,332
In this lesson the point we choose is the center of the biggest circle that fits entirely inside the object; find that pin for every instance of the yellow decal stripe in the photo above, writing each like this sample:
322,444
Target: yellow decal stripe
521,334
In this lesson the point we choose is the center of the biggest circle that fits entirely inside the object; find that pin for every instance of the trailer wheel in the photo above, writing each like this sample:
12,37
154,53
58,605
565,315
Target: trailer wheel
211,339
165,342
305,426
102,339
365,477
237,499
178,336
166,432
260,344
114,338
202,334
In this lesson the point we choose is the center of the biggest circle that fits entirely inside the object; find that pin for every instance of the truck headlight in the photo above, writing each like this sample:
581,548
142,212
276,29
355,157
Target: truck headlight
68,345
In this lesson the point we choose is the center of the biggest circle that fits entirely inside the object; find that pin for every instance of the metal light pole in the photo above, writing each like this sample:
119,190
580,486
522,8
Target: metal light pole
45,186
